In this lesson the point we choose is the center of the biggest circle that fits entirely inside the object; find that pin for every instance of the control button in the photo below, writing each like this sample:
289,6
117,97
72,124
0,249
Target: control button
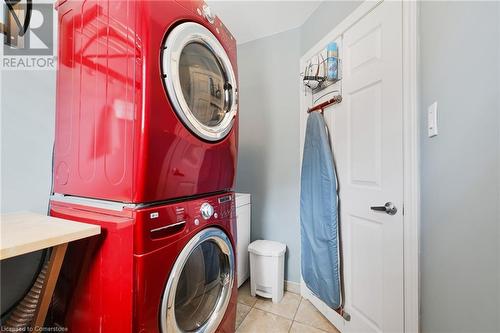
215,215
206,210
207,13
196,222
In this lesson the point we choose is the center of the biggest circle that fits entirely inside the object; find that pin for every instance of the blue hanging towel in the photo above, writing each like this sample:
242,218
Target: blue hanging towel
318,214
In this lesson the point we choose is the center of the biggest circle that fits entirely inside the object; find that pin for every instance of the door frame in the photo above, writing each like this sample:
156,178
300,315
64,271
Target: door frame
411,145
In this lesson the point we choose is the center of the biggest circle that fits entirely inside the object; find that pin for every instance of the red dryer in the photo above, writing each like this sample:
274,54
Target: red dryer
165,268
146,101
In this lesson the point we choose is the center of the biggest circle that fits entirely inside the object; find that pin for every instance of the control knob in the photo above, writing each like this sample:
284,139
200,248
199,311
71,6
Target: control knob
207,14
206,210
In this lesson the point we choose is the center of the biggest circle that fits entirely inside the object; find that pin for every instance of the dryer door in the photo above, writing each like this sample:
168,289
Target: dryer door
200,284
199,80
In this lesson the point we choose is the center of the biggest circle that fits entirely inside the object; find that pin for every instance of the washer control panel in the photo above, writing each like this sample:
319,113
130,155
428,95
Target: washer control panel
211,209
158,225
226,206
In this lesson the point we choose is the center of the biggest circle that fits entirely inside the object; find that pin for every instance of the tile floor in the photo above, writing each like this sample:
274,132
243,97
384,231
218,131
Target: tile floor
293,314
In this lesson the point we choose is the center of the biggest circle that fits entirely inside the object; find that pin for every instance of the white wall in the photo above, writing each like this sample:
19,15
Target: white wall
460,250
27,135
460,235
269,162
28,115
269,130
326,17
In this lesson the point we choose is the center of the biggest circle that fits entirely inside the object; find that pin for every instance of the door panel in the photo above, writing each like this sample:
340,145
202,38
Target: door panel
365,136
366,49
368,146
367,277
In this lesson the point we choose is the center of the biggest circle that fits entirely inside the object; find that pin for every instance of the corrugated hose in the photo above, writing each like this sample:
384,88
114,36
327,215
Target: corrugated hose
23,314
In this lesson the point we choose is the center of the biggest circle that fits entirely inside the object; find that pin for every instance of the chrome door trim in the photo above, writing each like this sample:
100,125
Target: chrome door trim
167,312
94,203
175,42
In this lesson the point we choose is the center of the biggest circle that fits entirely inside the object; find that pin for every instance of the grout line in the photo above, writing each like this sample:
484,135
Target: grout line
275,314
281,316
292,320
244,317
245,304
298,307
311,326
308,325
295,314
251,307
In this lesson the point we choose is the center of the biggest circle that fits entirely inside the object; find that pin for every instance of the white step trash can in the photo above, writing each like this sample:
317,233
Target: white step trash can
267,269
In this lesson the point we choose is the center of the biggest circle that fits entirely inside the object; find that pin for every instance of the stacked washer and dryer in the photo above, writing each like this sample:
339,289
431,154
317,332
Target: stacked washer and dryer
146,147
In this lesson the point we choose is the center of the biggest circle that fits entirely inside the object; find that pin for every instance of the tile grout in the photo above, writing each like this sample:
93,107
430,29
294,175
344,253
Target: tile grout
295,314
244,317
281,316
291,321
298,307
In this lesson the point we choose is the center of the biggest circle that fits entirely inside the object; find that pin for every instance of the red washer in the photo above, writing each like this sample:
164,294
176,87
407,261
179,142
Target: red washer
165,268
146,101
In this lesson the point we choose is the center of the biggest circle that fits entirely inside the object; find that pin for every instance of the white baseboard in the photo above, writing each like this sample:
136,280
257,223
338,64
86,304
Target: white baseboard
292,287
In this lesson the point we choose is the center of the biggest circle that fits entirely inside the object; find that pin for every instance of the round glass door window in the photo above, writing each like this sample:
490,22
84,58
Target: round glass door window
200,81
200,284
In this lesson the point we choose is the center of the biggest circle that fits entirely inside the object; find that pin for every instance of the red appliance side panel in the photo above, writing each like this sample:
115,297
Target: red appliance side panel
98,98
94,292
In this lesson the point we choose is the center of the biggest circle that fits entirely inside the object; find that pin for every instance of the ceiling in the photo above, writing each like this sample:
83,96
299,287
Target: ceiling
249,20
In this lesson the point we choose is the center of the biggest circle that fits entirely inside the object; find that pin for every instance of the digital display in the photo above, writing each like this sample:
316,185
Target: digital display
225,199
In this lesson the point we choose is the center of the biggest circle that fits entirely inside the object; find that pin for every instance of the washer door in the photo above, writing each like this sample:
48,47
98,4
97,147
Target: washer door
199,80
200,284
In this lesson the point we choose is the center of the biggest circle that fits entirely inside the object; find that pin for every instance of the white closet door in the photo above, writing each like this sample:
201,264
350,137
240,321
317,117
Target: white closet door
367,132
